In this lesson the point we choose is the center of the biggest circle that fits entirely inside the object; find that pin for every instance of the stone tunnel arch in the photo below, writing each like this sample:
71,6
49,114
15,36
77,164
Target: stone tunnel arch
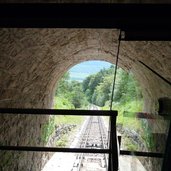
126,61
32,61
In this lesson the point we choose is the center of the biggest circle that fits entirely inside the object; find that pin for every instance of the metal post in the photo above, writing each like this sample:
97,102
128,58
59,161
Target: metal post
110,146
167,156
113,156
112,151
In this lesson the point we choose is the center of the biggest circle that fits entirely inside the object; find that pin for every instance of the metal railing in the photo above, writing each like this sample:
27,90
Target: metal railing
113,162
112,151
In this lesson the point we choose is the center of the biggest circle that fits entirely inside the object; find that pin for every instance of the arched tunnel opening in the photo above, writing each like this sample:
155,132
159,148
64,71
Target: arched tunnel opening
88,85
33,60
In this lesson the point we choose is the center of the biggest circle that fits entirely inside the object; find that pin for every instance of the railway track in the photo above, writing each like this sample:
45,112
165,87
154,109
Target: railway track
94,135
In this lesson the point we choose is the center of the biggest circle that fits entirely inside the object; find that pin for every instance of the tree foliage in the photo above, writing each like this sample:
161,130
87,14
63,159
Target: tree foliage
96,88
63,85
127,88
71,91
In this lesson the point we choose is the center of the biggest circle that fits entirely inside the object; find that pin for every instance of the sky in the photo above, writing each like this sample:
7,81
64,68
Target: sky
80,71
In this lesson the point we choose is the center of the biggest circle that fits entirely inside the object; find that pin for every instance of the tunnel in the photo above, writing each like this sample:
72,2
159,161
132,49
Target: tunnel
32,61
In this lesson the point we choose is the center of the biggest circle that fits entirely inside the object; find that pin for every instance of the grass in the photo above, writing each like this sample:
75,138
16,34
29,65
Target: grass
62,141
48,128
65,119
128,122
132,123
132,106
130,145
140,126
62,103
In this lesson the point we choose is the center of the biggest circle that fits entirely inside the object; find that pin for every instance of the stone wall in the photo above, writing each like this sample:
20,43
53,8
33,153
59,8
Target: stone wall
33,60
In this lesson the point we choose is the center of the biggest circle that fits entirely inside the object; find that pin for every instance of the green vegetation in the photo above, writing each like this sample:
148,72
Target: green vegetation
62,103
63,119
70,94
62,142
96,89
131,106
48,129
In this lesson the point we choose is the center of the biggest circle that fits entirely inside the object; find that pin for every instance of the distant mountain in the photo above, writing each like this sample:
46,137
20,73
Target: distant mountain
80,71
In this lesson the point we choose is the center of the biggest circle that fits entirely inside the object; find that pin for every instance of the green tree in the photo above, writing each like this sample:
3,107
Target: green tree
63,85
70,92
78,98
102,92
85,83
121,85
91,83
127,88
96,88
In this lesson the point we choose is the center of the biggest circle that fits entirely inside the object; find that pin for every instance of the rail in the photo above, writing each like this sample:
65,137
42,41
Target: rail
94,129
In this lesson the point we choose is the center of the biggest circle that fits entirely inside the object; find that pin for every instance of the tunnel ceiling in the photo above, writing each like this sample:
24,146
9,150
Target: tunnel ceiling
32,61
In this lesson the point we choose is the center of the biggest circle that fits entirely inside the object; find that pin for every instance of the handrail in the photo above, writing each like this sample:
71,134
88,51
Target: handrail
112,151
113,156
139,153
57,112
53,149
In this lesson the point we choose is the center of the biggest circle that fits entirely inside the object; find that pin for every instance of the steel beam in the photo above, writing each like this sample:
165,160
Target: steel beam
14,111
141,154
139,21
53,149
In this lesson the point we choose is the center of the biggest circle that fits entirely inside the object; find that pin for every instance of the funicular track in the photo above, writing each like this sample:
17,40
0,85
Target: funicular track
111,151
94,136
